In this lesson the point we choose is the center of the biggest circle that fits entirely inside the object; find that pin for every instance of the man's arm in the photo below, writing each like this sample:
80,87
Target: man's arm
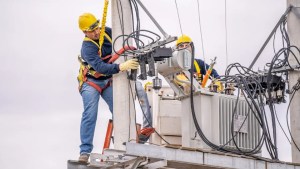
89,53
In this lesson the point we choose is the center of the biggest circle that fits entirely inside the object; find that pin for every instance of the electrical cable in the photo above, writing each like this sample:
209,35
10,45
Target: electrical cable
251,80
250,83
178,17
283,17
226,39
265,130
247,81
200,132
200,29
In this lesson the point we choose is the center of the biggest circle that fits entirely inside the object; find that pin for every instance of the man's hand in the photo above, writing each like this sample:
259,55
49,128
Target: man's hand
220,86
129,64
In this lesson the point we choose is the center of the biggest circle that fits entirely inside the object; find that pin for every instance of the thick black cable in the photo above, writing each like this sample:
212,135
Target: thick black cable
200,132
271,148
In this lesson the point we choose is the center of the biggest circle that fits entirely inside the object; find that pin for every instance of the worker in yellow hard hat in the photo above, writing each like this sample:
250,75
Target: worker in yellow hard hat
200,67
95,77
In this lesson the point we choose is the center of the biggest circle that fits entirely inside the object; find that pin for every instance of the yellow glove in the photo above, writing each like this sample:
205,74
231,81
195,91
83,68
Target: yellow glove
147,84
129,64
180,79
220,86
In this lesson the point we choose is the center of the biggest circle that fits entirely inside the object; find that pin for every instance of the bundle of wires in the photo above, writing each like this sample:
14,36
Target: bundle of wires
245,80
248,81
255,107
141,37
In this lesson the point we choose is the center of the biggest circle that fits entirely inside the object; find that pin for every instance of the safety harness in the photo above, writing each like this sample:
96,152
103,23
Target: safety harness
85,68
198,70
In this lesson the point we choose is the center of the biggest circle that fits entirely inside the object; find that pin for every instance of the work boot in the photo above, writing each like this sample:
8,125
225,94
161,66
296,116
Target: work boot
84,158
145,134
143,139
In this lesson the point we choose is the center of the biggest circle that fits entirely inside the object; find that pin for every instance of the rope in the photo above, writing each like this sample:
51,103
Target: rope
102,31
178,17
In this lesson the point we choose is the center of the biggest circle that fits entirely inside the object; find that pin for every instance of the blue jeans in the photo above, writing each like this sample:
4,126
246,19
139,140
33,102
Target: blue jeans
90,98
145,106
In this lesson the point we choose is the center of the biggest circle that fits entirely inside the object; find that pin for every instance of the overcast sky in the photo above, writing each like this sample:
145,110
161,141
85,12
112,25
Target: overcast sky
40,107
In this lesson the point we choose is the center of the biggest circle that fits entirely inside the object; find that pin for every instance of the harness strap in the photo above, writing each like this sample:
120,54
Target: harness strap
98,88
198,70
86,69
94,85
98,45
107,37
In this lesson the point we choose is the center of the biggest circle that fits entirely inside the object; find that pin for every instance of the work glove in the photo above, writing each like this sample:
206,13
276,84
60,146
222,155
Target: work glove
183,82
129,64
220,86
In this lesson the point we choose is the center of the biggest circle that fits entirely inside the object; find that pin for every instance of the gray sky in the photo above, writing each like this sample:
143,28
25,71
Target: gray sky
40,107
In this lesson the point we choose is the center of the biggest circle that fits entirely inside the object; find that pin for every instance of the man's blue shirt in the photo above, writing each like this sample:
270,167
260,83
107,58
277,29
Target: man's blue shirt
89,52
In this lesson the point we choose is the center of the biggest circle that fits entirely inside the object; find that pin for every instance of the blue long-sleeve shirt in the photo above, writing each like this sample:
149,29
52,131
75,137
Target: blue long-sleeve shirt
89,53
202,65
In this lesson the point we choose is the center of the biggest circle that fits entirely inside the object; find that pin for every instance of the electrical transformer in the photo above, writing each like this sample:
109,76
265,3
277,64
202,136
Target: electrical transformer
220,117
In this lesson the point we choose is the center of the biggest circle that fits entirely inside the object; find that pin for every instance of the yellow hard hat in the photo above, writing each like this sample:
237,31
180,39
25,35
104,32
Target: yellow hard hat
88,22
183,39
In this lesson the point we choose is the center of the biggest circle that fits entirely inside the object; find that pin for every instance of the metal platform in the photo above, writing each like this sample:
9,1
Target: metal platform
152,156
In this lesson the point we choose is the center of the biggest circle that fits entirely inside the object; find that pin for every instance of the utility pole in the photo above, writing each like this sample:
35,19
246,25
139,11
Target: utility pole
123,113
293,26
